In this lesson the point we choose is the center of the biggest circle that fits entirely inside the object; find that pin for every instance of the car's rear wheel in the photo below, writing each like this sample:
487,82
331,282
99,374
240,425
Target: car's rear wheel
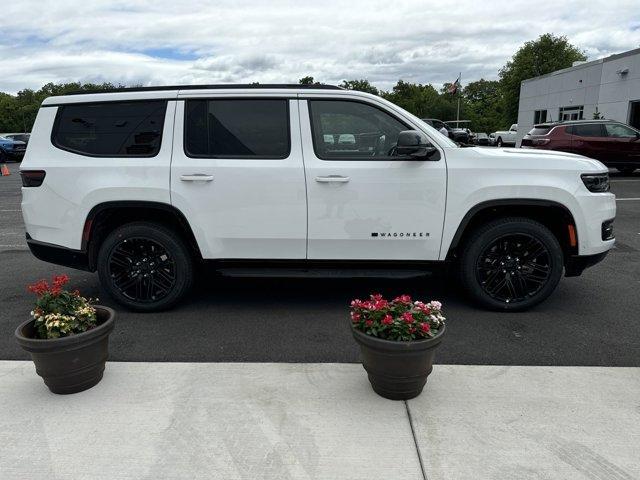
511,264
145,266
626,170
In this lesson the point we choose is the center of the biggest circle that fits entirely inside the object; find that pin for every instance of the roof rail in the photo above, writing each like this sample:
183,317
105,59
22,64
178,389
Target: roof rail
212,87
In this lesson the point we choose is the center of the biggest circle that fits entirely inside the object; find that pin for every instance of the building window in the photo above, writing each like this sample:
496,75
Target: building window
571,113
539,116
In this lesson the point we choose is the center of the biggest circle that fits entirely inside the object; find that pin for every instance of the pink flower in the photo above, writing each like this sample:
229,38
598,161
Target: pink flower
379,304
368,323
407,317
355,317
377,297
403,299
357,303
387,320
425,327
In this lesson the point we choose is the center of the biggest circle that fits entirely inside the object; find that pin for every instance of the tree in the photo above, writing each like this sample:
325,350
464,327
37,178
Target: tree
537,57
483,102
308,80
360,85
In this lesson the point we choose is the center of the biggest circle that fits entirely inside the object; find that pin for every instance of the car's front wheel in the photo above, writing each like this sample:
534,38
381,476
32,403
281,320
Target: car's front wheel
145,266
511,264
499,142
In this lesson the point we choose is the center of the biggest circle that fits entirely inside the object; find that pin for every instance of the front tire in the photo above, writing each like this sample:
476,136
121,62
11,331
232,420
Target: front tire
499,142
145,266
511,264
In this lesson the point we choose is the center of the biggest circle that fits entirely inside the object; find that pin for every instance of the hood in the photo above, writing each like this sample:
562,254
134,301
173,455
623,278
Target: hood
532,155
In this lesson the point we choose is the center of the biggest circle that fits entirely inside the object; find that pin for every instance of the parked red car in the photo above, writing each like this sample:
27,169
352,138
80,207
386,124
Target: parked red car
613,143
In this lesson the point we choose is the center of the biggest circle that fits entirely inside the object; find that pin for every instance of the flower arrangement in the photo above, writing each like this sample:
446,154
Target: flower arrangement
400,320
58,312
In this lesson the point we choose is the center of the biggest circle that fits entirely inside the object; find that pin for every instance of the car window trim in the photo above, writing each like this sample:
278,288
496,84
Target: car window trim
352,159
237,157
61,107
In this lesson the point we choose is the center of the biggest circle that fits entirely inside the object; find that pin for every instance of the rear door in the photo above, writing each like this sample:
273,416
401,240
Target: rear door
364,202
590,140
237,175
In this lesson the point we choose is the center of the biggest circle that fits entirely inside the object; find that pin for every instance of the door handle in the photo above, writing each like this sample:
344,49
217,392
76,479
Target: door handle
333,179
196,177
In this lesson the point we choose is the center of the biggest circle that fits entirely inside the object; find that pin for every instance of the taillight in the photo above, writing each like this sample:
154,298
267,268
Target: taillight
32,178
540,141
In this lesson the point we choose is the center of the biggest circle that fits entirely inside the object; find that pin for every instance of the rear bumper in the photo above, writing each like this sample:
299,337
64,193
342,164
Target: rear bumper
576,264
58,255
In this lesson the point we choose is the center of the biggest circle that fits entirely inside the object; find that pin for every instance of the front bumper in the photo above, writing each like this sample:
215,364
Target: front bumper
576,264
58,255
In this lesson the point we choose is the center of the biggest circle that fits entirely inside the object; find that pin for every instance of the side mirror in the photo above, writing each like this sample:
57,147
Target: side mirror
414,144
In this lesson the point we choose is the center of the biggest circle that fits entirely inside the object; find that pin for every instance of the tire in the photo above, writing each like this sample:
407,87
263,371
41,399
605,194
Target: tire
145,266
498,267
626,170
499,142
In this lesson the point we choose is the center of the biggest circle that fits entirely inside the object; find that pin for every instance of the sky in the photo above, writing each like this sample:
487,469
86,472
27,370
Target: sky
160,42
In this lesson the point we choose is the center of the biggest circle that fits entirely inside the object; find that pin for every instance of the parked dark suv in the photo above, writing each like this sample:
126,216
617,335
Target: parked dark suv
455,134
613,143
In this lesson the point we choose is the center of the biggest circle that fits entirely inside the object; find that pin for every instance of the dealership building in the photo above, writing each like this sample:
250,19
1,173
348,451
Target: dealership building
611,85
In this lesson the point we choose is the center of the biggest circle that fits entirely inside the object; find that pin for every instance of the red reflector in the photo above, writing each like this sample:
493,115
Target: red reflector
572,235
32,178
87,230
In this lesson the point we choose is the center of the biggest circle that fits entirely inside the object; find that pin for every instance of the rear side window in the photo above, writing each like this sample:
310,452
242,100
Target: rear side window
539,131
111,129
238,128
588,130
620,131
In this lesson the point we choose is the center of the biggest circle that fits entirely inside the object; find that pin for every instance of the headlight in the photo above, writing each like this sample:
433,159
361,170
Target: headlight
596,182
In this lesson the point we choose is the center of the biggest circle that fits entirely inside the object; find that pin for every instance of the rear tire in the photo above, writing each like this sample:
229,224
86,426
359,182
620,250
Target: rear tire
511,264
145,266
626,170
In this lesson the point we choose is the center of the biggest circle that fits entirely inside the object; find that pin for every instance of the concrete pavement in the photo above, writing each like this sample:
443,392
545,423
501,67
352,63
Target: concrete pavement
321,421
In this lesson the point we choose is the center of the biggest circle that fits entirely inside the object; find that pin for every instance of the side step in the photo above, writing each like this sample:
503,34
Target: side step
321,272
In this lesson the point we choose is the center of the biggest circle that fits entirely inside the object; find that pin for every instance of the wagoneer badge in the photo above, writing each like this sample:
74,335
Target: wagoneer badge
400,234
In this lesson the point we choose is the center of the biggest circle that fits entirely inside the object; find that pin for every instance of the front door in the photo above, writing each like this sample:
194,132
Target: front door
624,144
238,177
365,203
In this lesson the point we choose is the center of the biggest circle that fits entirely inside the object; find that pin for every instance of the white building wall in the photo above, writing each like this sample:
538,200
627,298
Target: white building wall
593,84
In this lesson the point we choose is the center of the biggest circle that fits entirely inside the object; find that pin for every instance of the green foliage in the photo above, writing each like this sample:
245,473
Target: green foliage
308,80
359,85
483,104
537,57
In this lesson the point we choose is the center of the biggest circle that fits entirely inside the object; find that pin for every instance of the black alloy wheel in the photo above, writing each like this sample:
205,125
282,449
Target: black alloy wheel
145,266
142,269
511,263
513,268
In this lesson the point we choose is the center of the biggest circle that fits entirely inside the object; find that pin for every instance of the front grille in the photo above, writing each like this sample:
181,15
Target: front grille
607,230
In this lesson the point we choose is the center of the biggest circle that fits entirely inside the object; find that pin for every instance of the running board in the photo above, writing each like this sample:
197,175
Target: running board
321,272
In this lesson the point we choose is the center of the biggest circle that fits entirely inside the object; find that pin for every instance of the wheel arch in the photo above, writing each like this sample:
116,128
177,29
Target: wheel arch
106,216
555,216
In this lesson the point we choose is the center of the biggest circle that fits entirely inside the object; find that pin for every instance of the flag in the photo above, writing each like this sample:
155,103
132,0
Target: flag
453,88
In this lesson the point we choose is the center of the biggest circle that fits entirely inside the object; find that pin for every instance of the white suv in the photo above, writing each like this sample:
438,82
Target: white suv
142,184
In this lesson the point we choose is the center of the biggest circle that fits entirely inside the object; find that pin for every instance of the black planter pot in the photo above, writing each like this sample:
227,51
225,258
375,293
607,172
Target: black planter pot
70,364
397,370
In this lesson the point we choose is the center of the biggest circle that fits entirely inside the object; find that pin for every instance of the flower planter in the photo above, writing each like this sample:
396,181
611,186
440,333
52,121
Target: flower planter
397,370
74,363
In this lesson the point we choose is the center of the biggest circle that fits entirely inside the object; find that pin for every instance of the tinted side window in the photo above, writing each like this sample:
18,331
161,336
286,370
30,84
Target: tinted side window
344,130
588,130
237,128
111,129
619,131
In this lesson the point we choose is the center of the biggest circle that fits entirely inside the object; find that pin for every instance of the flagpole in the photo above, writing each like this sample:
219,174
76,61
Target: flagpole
458,113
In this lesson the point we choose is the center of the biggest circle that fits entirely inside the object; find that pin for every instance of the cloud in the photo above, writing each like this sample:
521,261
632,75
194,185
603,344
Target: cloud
163,42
